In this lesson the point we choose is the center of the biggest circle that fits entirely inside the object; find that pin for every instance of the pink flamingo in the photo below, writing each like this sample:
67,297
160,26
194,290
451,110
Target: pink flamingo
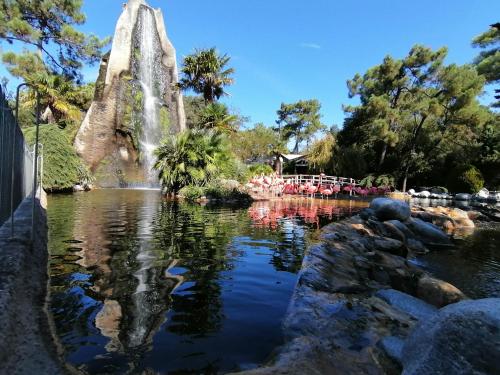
336,190
327,192
312,190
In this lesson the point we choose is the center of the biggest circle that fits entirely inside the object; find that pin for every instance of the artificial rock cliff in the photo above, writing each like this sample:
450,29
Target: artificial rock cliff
109,138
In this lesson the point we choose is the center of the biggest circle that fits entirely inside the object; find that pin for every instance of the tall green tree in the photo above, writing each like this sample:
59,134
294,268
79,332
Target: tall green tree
48,26
488,61
257,143
412,106
385,90
300,121
320,154
206,73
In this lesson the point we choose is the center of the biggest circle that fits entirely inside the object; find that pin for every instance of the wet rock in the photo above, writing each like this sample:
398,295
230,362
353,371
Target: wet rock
366,213
390,245
463,338
412,306
463,197
424,194
428,233
438,292
393,347
416,246
390,209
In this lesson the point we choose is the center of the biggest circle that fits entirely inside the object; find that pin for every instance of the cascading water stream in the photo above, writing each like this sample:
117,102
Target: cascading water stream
151,134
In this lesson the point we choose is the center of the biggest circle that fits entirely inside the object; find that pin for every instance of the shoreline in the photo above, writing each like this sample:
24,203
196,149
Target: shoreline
358,298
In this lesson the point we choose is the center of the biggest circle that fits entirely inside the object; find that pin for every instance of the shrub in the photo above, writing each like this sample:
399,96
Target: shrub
384,180
258,169
465,179
62,168
191,193
368,181
214,192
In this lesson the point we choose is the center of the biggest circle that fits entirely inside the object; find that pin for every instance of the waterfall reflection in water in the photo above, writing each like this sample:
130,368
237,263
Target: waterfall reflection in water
139,283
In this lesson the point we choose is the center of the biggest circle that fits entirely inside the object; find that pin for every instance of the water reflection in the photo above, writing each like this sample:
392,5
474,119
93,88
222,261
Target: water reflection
140,284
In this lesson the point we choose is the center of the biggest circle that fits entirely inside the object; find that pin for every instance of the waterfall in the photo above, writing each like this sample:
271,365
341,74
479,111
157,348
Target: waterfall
151,132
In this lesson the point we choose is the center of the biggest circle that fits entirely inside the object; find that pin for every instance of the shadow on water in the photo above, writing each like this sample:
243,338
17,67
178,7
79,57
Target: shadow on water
140,284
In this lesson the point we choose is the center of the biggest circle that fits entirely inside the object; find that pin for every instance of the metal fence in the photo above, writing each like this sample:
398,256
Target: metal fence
16,162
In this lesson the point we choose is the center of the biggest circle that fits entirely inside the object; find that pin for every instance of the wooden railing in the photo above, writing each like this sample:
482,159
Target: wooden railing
301,179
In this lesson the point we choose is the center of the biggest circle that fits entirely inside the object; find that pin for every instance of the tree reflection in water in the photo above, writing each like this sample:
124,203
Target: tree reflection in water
140,284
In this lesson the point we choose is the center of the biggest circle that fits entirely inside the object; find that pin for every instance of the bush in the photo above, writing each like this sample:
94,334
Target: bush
258,169
191,193
213,192
465,179
62,168
383,180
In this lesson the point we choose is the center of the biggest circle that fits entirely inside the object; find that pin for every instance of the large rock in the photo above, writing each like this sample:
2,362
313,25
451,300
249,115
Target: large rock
463,338
390,209
410,305
107,138
438,292
428,233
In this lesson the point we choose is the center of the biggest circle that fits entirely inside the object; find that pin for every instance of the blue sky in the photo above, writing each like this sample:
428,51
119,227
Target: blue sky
286,50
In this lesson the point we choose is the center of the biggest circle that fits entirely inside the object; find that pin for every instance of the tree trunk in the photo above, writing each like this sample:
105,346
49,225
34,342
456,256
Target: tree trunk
405,179
382,156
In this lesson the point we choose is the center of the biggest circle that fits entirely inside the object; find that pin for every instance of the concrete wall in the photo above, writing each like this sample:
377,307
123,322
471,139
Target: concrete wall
27,345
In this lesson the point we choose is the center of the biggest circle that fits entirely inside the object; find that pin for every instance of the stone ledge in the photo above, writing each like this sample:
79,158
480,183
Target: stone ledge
27,345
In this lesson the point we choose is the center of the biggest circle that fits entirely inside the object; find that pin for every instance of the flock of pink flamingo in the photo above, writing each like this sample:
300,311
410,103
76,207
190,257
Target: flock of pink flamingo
278,186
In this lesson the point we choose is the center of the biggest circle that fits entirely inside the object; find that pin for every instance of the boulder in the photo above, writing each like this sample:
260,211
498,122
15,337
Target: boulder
410,305
424,194
390,209
482,194
393,347
438,292
428,233
463,197
411,192
463,338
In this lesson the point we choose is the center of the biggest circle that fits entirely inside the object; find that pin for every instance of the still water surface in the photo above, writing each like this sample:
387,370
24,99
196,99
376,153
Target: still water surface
141,285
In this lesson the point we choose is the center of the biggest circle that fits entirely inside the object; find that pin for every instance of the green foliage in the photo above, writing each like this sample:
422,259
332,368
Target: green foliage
488,61
62,168
192,193
191,158
193,108
300,120
216,116
49,26
368,181
216,192
413,113
320,155
384,180
256,143
206,73
465,179
258,169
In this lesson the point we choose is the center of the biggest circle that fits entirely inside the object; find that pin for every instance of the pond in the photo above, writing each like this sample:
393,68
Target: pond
140,284
473,265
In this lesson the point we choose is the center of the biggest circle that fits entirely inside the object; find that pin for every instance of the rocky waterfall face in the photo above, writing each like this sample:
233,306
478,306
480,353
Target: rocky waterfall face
152,81
135,104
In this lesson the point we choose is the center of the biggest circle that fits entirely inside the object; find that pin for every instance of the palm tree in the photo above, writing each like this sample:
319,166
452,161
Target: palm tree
62,99
206,73
190,158
216,116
